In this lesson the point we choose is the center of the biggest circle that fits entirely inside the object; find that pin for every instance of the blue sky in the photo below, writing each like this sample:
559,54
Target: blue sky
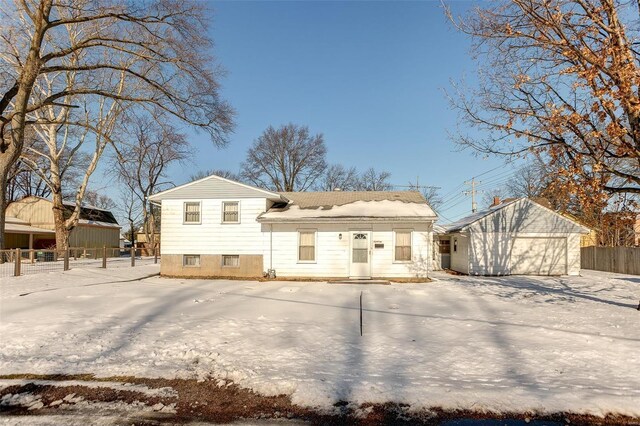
369,75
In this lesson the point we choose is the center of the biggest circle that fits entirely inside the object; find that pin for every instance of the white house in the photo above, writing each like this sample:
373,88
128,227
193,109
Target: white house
519,237
215,227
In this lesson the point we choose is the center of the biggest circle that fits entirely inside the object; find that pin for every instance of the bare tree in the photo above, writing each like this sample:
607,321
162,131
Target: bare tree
142,163
101,201
338,177
430,193
285,159
558,78
131,210
24,182
370,180
160,47
218,172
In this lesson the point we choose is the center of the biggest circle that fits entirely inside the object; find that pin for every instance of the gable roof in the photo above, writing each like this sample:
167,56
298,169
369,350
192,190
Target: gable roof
350,206
213,187
467,221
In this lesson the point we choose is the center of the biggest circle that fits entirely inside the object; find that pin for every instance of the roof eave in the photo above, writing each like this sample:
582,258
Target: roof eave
347,219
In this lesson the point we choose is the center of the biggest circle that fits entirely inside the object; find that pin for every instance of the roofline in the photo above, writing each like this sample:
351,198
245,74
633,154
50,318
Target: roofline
463,228
348,219
489,213
154,197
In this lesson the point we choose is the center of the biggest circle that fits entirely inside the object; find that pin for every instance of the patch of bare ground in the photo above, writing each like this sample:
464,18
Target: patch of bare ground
224,402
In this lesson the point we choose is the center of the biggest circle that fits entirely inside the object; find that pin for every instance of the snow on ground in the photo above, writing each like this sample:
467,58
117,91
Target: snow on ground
504,344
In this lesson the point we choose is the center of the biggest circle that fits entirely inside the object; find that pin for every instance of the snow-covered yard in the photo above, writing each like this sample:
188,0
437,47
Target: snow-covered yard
501,344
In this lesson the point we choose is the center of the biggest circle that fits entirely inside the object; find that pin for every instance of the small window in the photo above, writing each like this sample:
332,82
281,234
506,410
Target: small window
403,246
191,260
445,246
230,261
192,212
455,244
307,246
231,212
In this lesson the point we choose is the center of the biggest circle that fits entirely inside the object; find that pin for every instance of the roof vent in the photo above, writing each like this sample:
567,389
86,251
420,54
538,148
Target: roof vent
337,189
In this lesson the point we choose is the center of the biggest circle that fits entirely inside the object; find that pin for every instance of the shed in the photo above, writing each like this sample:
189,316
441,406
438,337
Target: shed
518,237
96,227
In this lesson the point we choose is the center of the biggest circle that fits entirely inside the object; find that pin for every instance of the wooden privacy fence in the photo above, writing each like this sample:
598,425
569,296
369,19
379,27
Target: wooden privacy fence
624,260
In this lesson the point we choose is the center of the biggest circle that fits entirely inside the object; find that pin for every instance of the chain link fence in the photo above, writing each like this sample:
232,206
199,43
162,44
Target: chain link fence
18,262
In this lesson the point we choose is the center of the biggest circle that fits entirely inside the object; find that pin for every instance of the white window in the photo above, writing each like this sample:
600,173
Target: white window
192,212
231,212
306,246
403,246
191,260
230,261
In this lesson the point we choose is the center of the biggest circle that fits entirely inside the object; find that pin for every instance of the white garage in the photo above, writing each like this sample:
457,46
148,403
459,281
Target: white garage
519,237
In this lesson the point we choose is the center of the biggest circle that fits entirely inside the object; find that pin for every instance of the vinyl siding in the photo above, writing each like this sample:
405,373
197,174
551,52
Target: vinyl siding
525,216
211,188
333,253
211,236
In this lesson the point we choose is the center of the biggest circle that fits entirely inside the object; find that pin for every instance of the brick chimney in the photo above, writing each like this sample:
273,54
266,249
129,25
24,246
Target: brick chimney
496,201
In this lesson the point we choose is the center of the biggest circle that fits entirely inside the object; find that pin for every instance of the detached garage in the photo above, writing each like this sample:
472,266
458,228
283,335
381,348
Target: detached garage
519,237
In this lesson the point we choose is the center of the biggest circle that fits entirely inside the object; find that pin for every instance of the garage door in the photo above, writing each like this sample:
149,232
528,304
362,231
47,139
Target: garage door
539,256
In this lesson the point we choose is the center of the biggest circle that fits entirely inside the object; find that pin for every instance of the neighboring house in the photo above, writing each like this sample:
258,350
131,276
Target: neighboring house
516,237
96,227
20,234
216,227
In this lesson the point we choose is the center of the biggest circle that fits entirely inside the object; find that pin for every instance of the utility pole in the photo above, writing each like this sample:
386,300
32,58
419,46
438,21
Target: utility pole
472,192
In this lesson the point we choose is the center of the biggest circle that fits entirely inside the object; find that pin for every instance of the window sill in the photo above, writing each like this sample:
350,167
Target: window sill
307,262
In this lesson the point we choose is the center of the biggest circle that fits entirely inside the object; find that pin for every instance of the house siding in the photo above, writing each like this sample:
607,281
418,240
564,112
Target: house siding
333,253
212,188
211,236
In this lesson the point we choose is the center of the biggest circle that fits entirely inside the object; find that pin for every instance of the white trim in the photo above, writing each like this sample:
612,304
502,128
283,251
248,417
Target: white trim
410,231
184,205
315,246
156,196
222,221
369,233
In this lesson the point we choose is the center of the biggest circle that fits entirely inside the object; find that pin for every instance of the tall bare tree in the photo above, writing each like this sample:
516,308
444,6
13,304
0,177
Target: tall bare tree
227,174
371,180
142,163
338,177
285,159
160,46
559,78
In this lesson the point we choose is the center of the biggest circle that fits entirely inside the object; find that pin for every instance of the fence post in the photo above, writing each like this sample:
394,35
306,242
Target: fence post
133,256
155,255
18,261
66,259
104,257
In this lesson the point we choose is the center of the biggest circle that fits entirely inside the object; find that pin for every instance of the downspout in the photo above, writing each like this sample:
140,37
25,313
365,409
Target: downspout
270,247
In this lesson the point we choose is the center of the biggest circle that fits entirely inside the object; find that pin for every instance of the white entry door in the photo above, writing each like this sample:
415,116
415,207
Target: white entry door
360,266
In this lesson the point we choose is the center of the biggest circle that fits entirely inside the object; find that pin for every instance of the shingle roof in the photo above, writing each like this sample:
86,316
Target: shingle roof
313,200
351,206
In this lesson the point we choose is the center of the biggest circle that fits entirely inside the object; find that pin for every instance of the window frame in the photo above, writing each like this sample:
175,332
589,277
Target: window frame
222,221
395,246
184,212
315,245
184,257
222,265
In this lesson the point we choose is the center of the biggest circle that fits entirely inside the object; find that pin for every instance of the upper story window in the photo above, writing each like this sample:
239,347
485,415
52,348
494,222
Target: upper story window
231,212
403,246
192,212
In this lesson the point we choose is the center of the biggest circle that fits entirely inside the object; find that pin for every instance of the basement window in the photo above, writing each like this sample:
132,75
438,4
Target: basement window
230,261
191,260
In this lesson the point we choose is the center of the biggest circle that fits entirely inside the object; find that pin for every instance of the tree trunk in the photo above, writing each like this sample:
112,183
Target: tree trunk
62,233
